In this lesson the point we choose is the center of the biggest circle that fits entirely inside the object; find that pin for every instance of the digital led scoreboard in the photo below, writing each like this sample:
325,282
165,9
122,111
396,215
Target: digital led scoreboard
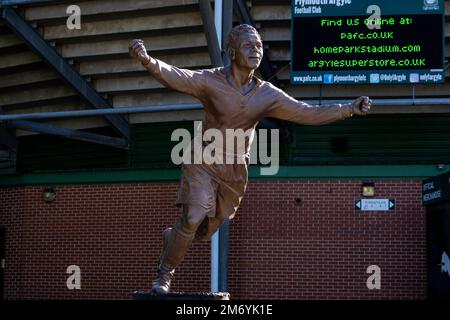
367,41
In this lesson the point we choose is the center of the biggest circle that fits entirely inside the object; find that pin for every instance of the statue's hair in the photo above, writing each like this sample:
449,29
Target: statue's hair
235,33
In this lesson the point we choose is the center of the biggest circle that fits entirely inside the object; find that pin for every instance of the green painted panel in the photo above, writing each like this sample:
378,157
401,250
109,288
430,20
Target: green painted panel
44,153
376,139
391,172
151,144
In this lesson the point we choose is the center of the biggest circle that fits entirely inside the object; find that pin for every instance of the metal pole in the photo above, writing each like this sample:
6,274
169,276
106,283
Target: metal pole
224,231
100,112
218,6
68,133
210,33
224,237
199,106
213,29
227,25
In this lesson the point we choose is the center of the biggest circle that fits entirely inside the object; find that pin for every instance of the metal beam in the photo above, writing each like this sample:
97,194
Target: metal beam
68,133
444,102
242,12
20,27
99,112
210,33
224,231
20,2
227,25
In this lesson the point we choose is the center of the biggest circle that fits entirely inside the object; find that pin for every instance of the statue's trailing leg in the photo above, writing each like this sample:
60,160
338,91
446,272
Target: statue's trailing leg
177,241
174,248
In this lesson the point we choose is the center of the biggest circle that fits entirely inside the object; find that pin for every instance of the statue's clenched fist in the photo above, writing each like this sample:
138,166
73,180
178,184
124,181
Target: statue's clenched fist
361,106
137,50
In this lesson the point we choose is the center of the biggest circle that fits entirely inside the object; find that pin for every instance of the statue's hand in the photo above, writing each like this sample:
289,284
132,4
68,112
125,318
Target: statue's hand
361,106
137,50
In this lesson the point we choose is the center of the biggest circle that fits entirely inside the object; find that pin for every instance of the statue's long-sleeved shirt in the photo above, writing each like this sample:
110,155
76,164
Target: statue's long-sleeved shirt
227,108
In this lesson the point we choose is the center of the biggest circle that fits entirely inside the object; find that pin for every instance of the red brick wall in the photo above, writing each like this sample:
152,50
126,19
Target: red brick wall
279,249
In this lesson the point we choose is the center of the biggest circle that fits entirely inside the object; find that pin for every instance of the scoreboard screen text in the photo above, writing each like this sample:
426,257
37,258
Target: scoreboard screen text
360,41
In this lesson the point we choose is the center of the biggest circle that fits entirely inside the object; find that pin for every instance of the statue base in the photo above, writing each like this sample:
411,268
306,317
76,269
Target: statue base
141,295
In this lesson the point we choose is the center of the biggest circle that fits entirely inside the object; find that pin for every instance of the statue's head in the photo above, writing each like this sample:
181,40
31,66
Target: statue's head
245,46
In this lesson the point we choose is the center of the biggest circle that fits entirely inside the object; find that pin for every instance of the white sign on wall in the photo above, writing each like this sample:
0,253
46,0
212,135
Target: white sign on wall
375,204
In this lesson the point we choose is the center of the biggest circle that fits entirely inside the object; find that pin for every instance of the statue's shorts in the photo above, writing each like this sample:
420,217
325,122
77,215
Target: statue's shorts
217,188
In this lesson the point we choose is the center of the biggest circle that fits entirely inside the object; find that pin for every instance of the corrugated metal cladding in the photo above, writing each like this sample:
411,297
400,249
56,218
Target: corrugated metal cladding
173,31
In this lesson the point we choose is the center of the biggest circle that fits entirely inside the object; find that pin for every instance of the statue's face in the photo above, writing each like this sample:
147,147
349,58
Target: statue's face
249,52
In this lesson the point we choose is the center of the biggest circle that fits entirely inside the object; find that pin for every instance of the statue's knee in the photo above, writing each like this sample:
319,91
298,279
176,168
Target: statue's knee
192,219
